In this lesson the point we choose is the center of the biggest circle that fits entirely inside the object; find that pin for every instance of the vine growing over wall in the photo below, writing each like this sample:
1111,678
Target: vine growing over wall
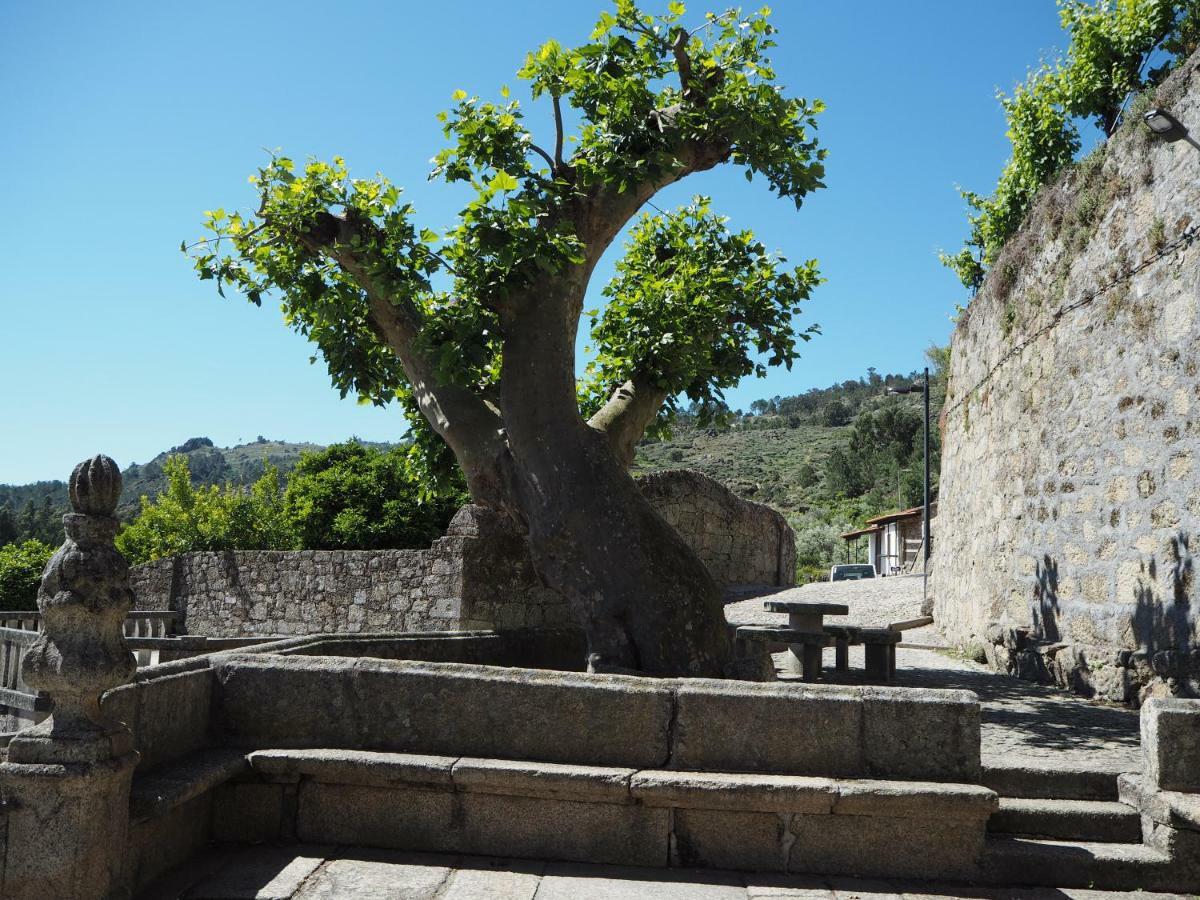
1111,45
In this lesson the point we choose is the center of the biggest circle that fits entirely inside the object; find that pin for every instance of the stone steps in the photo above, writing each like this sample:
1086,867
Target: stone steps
1034,781
1093,864
1070,820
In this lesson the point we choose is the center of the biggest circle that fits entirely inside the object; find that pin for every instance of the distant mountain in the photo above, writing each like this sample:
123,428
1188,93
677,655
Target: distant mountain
209,464
774,454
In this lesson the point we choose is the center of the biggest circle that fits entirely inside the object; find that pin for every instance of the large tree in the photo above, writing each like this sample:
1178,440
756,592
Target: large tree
474,329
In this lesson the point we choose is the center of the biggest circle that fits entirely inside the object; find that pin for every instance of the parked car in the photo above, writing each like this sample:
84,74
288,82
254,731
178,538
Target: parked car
851,572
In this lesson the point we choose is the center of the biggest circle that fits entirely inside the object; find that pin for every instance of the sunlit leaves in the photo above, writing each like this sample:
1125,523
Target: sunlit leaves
694,307
1111,42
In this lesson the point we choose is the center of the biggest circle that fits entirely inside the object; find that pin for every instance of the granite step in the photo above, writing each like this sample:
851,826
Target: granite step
1041,781
1099,865
1071,820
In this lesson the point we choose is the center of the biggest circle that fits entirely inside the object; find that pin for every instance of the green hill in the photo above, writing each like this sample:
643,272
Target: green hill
761,458
775,454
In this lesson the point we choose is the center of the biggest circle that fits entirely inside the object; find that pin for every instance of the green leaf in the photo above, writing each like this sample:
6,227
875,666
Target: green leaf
502,181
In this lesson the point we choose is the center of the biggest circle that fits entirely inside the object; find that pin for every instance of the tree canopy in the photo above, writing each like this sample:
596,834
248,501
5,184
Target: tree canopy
474,326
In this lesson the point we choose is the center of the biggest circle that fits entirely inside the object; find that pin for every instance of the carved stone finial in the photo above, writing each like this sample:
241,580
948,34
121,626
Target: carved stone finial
95,486
81,651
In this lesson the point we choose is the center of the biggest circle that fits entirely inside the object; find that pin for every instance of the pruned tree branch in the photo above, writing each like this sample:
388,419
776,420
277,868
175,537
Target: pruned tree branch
627,415
558,132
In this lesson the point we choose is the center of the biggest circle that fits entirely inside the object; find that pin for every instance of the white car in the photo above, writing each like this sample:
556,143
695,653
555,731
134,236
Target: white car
851,572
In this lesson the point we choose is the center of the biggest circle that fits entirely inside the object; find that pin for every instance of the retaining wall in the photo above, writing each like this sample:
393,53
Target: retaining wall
479,575
1070,482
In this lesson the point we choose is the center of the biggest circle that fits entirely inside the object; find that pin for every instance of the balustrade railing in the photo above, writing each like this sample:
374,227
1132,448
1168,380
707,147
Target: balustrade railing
21,705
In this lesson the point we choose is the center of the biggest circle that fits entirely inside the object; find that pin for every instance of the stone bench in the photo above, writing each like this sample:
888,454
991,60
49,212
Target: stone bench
879,645
605,814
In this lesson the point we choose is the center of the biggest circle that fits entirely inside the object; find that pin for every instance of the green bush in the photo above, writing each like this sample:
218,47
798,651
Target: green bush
184,518
21,567
348,496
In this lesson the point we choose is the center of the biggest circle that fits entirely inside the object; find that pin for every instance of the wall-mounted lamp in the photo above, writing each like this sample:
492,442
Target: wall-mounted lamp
1166,127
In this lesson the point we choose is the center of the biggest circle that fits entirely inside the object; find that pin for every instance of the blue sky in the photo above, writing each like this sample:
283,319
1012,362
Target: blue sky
123,121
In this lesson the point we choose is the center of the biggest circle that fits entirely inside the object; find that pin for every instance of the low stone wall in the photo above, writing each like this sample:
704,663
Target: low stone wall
739,542
479,575
476,576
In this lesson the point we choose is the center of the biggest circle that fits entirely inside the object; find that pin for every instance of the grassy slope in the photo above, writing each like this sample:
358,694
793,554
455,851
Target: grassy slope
761,464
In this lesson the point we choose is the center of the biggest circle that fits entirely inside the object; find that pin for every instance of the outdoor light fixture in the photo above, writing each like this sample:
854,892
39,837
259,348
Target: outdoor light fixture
1166,127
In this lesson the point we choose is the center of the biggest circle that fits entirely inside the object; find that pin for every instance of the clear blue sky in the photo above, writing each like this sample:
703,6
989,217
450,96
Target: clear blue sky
123,121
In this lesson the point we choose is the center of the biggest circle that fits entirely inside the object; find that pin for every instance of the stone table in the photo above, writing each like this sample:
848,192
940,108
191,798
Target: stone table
805,632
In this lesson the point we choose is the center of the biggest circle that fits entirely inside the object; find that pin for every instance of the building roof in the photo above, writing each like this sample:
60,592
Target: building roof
859,532
914,513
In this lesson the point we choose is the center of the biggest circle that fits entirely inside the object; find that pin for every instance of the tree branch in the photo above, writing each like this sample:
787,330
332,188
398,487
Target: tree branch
627,415
471,426
558,132
544,155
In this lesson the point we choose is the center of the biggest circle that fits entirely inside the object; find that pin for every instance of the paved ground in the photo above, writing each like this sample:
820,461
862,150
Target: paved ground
1022,721
314,873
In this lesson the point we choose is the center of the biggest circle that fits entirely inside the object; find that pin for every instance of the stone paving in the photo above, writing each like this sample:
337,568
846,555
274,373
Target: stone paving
1023,722
349,873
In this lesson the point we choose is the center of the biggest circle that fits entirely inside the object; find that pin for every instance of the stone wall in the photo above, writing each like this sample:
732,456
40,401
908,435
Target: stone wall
740,542
1070,488
478,575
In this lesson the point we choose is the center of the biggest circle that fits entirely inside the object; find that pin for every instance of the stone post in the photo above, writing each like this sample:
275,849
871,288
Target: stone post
1167,792
65,784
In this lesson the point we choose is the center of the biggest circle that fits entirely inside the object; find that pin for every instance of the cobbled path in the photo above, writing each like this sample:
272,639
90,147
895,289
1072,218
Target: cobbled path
1022,721
351,873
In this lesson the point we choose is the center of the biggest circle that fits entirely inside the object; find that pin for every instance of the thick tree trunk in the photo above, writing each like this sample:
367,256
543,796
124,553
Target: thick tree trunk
642,595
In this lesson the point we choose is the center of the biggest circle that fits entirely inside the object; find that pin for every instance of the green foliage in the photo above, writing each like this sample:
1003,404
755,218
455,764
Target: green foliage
1110,44
330,245
1043,142
690,304
184,518
21,568
348,496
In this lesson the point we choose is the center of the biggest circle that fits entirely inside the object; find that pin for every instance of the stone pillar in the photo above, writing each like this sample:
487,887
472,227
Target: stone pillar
65,784
1167,793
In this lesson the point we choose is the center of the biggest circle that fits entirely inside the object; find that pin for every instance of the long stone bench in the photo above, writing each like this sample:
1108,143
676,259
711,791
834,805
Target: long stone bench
559,765
606,814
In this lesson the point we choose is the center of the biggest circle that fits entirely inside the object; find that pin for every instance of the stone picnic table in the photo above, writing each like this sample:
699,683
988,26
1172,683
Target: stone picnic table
807,635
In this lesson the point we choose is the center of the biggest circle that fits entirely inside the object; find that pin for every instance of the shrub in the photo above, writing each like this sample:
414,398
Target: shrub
21,567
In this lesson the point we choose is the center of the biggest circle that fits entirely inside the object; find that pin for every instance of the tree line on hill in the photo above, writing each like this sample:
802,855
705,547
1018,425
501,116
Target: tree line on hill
346,496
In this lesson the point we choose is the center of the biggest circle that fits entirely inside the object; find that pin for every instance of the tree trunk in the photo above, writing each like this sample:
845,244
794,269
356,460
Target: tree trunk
642,595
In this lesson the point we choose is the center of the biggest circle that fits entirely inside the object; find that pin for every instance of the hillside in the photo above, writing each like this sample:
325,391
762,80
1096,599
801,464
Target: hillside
762,459
208,464
797,453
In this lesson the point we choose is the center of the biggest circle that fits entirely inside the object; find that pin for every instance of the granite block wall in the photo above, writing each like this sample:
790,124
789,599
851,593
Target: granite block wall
478,575
1070,485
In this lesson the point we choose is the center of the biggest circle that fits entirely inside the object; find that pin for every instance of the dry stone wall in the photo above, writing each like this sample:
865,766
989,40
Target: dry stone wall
1070,485
478,575
739,542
